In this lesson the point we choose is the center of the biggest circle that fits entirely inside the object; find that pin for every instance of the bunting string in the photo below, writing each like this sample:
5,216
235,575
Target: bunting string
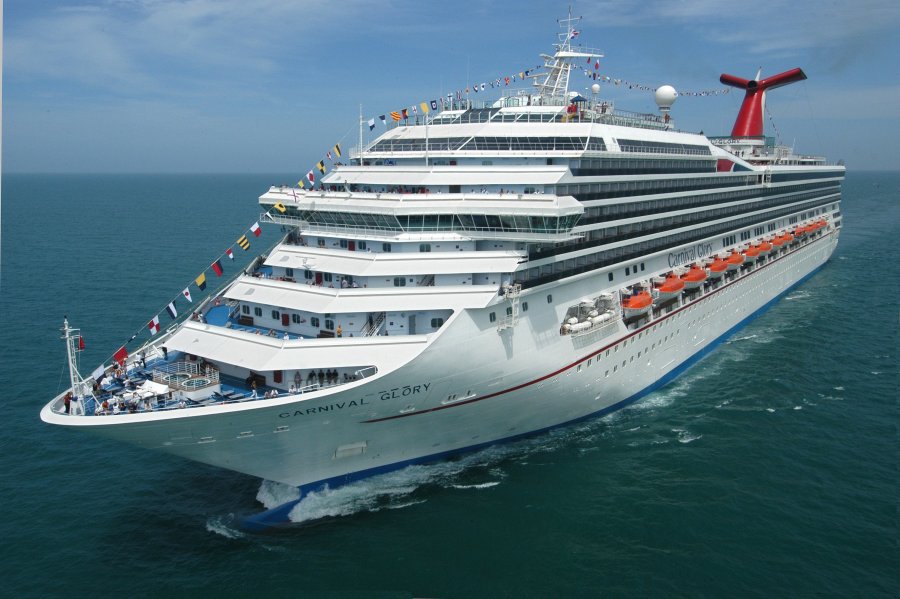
176,304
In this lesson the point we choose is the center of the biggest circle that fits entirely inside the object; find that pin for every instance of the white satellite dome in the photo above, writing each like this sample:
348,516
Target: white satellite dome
666,96
595,88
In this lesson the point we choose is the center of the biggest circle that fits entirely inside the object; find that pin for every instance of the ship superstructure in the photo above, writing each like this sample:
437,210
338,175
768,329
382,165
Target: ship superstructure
488,272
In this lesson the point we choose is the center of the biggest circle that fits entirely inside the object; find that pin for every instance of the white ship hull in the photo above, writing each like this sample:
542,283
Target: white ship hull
508,383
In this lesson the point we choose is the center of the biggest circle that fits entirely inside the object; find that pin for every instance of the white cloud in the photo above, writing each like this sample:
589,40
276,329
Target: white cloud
762,28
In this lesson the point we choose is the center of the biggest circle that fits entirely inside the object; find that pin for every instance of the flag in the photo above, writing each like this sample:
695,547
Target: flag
201,281
482,87
99,373
329,156
311,177
217,268
256,230
396,115
321,166
416,112
405,114
522,75
171,310
187,295
575,33
122,353
229,253
300,183
475,88
384,120
597,65
371,124
280,207
434,104
153,325
337,147
80,343
424,106
589,60
244,242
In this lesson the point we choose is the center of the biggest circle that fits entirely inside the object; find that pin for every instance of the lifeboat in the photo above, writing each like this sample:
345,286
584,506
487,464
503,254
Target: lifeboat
694,277
670,287
717,267
734,261
787,237
751,253
778,242
764,248
637,304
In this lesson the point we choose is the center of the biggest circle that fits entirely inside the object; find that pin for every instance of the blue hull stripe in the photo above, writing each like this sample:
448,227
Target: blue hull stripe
279,515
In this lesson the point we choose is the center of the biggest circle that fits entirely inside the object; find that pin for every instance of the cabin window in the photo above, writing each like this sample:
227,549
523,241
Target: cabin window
344,243
314,322
308,275
627,271
385,247
424,247
327,277
289,272
524,306
492,317
257,311
329,324
610,276
276,314
509,311
399,281
295,318
437,323
245,309
362,245
549,299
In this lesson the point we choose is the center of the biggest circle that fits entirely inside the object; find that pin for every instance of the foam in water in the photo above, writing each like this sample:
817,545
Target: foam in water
222,525
272,494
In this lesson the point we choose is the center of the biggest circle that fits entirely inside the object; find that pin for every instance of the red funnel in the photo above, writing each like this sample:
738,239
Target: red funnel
749,122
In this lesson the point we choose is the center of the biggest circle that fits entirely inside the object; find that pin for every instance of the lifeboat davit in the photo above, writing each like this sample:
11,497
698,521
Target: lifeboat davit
636,304
717,267
734,261
694,277
669,288
751,253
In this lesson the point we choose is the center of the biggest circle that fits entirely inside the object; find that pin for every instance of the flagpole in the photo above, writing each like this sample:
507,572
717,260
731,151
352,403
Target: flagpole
360,134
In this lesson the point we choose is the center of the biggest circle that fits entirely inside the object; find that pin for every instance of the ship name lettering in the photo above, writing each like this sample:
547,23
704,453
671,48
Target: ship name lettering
353,403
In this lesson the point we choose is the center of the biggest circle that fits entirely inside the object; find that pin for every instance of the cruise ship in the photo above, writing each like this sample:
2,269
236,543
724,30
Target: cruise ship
482,273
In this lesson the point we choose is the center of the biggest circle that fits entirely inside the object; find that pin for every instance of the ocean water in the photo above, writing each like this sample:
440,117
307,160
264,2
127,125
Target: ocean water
767,469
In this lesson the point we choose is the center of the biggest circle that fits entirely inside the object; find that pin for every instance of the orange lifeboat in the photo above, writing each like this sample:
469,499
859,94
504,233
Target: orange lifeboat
764,248
717,267
694,277
734,260
787,237
670,287
778,242
751,253
636,304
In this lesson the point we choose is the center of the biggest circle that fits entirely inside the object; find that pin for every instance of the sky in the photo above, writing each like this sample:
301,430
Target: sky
268,86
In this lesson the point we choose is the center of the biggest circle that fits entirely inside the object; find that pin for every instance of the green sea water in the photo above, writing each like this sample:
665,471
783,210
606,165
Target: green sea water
768,469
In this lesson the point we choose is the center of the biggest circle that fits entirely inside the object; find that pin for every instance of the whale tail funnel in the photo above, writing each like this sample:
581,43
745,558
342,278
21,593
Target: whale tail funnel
749,122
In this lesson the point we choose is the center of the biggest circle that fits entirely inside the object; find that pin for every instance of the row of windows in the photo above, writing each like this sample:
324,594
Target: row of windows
441,222
659,147
777,177
618,211
637,166
552,272
608,235
619,189
502,144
